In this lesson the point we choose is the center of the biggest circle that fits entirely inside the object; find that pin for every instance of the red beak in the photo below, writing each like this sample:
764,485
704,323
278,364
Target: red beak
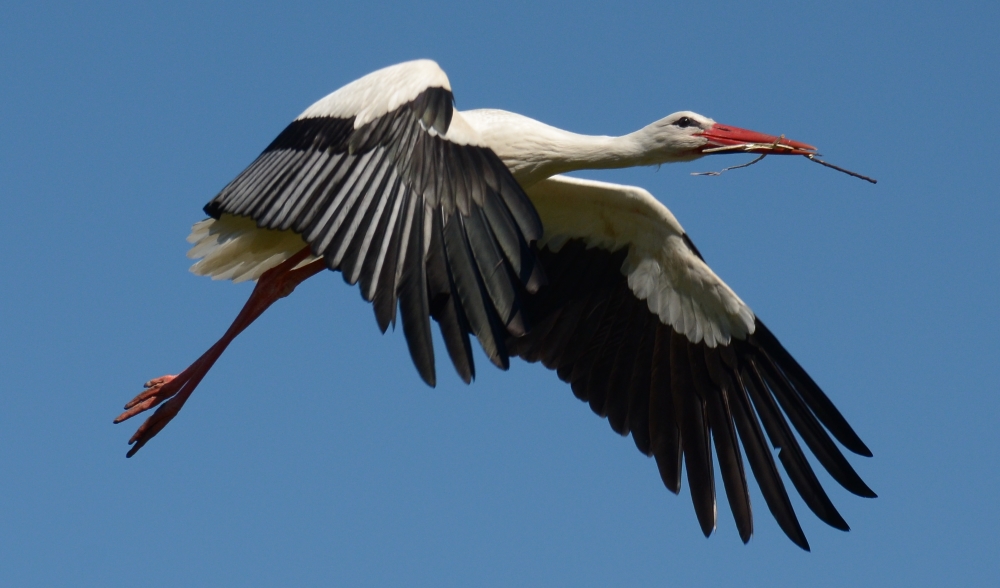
727,139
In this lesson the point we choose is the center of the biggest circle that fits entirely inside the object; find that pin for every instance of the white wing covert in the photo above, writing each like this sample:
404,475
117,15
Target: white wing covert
662,266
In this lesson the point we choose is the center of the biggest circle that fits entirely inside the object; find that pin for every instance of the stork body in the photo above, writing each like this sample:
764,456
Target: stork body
466,218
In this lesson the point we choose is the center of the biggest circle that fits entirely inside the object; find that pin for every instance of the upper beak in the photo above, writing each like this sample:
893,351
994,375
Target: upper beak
727,139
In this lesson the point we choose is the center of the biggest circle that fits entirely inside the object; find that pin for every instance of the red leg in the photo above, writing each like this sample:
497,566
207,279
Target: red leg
275,283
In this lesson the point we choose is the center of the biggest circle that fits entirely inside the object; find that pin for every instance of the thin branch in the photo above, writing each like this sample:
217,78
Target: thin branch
750,146
840,169
719,173
746,147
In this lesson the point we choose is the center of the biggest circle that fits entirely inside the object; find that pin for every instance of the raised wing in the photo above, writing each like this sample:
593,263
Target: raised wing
647,334
386,182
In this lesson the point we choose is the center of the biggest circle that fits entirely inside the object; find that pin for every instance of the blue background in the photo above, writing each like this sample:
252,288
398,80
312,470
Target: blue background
313,455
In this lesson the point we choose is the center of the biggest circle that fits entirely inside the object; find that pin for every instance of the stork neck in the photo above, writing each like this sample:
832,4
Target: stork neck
577,152
557,151
533,150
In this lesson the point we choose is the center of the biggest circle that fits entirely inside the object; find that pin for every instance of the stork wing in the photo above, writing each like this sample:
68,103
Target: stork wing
387,183
646,333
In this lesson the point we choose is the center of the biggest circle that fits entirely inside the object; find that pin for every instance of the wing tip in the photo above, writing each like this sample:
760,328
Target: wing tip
860,449
427,374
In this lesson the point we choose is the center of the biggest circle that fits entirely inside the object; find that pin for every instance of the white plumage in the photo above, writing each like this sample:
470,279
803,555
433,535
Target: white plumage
233,248
679,287
379,92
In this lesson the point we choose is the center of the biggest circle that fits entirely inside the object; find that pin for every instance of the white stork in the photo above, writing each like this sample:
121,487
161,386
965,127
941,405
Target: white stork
462,217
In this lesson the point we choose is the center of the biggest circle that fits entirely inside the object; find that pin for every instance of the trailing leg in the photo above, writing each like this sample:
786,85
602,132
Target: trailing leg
172,391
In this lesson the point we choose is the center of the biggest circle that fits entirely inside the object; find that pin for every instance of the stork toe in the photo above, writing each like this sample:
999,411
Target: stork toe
156,391
155,423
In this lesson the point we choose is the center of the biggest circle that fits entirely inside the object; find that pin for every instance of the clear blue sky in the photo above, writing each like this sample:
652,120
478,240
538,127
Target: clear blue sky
313,455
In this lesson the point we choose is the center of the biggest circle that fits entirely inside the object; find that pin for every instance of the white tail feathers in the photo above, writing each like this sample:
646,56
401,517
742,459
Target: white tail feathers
235,248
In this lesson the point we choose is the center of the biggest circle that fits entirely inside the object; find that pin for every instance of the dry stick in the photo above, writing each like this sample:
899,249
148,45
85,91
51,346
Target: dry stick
745,148
840,169
762,156
749,146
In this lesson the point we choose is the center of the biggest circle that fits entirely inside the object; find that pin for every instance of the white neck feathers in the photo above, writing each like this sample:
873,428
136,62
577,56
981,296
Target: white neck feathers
534,151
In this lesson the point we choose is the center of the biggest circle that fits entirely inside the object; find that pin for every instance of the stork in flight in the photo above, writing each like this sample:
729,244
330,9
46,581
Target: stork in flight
464,217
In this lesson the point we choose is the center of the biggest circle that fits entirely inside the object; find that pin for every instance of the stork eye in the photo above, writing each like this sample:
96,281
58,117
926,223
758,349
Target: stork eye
685,122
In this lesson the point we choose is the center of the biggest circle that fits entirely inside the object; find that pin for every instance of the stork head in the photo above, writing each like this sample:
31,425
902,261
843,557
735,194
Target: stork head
687,135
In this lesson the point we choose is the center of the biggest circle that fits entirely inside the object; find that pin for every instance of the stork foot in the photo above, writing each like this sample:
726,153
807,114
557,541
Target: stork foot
155,423
170,391
155,391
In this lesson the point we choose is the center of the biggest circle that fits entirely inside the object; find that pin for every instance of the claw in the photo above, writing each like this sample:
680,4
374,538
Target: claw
157,382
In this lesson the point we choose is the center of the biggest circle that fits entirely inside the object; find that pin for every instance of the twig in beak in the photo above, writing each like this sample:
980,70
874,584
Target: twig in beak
762,156
749,146
840,169
718,173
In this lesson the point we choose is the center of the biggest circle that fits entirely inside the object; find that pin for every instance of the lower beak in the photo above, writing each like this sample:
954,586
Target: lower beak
727,139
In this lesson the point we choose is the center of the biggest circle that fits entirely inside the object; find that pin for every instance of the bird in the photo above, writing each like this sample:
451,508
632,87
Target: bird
469,218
